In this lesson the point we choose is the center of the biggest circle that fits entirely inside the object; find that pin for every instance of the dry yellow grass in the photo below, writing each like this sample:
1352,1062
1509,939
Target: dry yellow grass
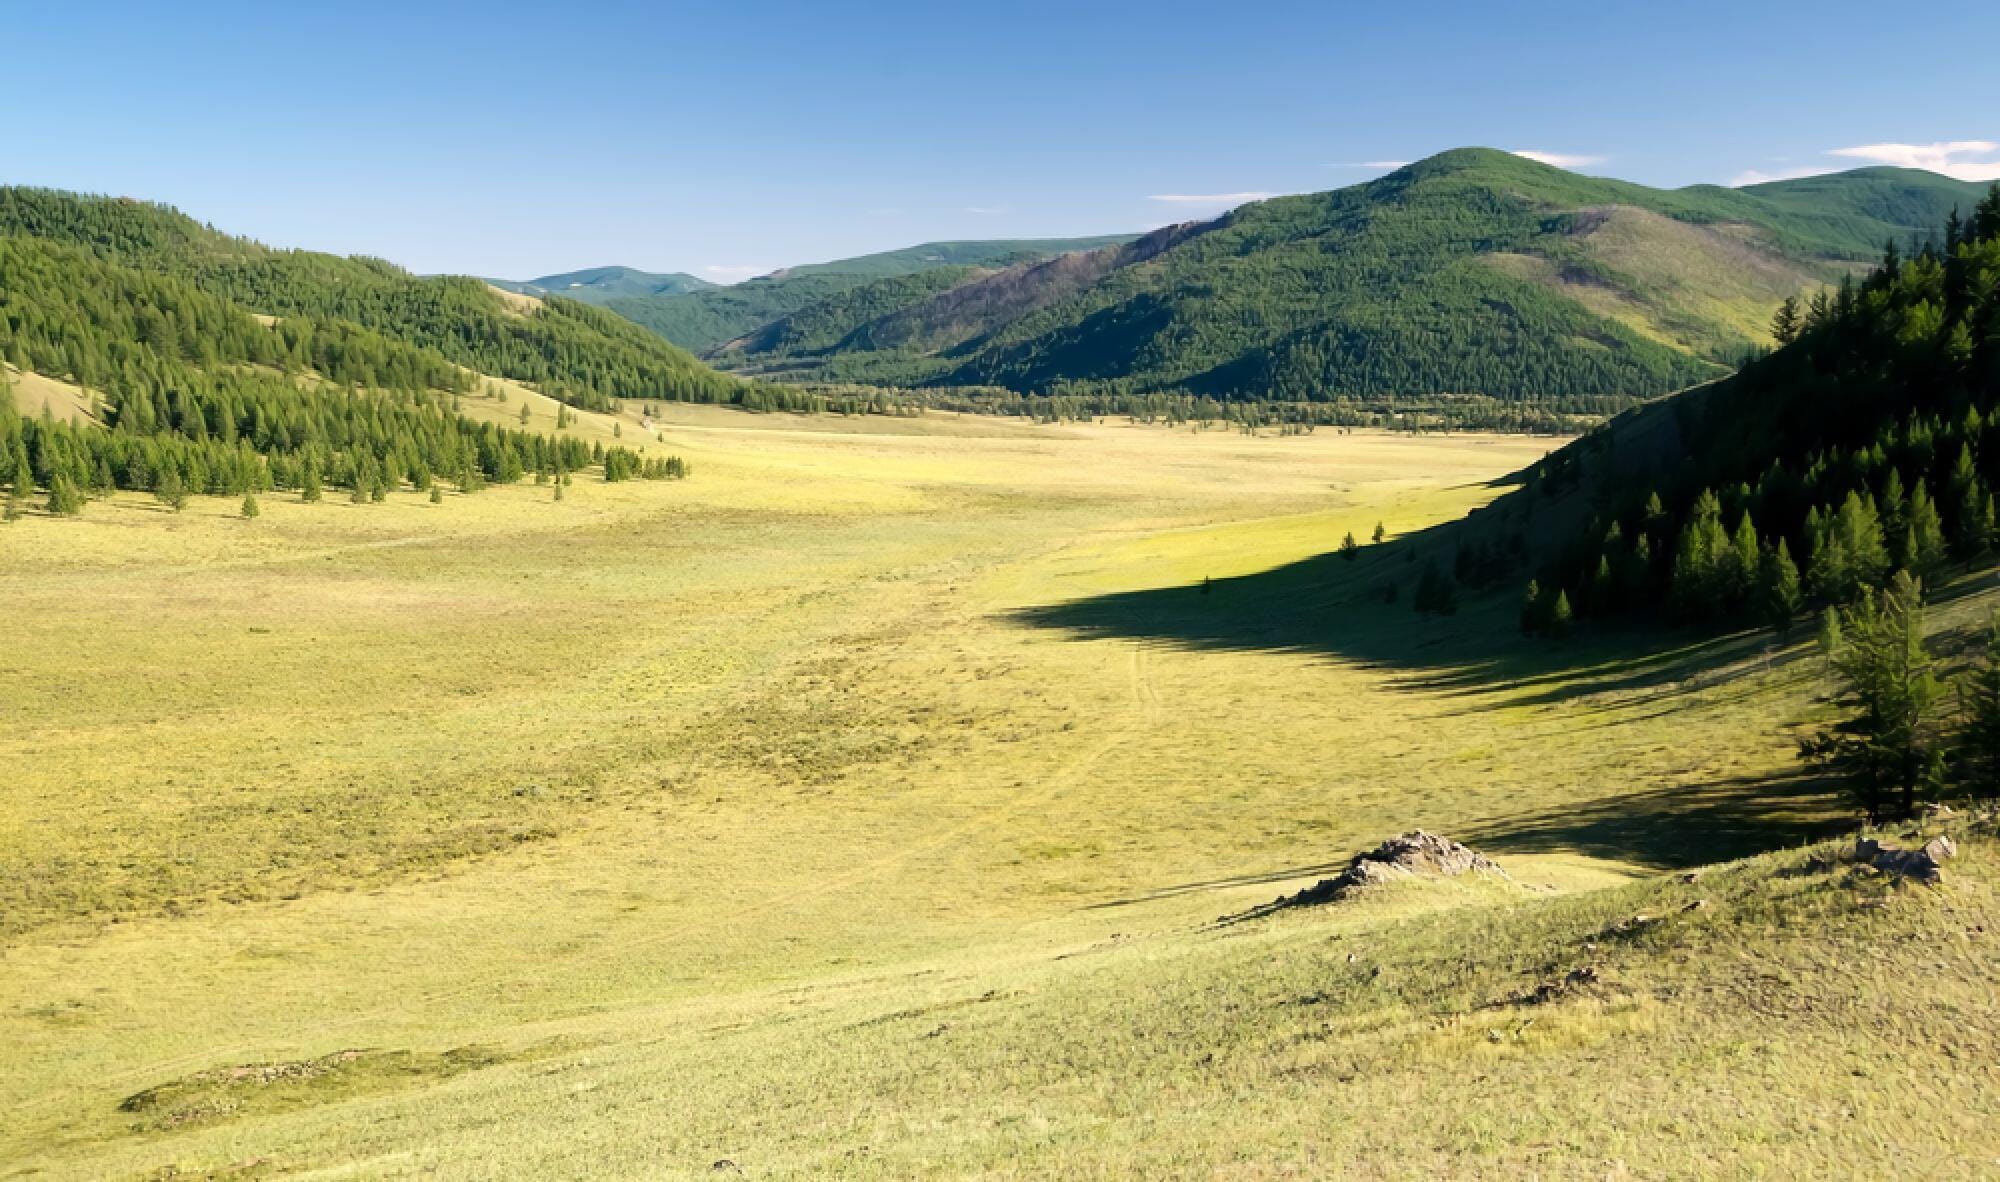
750,817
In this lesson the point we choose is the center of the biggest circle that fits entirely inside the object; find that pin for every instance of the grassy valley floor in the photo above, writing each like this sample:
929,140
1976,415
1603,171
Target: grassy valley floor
804,817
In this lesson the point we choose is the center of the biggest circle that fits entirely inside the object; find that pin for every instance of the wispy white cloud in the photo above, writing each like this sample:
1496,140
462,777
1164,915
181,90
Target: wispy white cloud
726,272
1209,198
1558,159
1386,165
1758,176
986,210
1967,160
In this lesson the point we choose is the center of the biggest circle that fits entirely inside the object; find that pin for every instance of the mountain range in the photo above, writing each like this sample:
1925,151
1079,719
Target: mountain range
1472,272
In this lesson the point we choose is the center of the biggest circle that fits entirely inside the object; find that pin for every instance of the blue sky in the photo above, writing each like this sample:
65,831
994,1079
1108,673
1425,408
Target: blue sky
727,139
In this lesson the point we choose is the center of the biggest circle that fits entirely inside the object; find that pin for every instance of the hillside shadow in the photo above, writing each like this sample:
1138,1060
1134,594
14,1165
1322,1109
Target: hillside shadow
1361,609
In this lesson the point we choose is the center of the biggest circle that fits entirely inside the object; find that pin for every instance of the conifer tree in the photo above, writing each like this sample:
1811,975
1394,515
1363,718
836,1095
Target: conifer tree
65,499
1923,546
310,489
22,473
1739,576
1974,535
437,493
1349,549
1976,745
1560,617
1380,533
250,508
1785,325
1778,589
1888,747
171,492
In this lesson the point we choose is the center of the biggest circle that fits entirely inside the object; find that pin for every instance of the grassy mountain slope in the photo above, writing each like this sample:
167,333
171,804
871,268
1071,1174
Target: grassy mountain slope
572,351
1473,271
599,285
702,320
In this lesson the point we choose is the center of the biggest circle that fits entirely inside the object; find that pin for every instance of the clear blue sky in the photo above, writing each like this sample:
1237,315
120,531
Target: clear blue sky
726,138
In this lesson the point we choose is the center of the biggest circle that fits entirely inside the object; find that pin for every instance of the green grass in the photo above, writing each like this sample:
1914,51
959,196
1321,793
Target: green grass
771,817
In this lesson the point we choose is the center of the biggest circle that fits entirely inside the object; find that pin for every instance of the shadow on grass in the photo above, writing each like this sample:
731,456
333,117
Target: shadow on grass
1361,609
1679,826
1672,828
1222,884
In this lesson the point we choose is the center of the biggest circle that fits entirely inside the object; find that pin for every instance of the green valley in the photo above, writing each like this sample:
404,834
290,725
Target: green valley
1407,665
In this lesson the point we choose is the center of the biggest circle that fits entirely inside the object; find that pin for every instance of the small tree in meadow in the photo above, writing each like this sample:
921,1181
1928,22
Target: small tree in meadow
1888,747
170,490
65,499
1349,548
250,508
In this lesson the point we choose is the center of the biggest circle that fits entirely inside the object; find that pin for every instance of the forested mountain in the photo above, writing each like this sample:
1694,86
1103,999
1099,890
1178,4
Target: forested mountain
703,320
831,323
580,354
214,365
1868,443
600,285
1474,271
198,396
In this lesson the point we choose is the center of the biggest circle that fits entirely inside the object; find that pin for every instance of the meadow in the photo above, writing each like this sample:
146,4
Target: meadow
819,815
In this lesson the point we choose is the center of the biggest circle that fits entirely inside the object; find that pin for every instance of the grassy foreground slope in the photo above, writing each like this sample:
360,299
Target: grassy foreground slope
768,822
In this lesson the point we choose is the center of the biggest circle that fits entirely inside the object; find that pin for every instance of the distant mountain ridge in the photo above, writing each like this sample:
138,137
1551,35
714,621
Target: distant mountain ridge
1472,272
711,317
598,285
